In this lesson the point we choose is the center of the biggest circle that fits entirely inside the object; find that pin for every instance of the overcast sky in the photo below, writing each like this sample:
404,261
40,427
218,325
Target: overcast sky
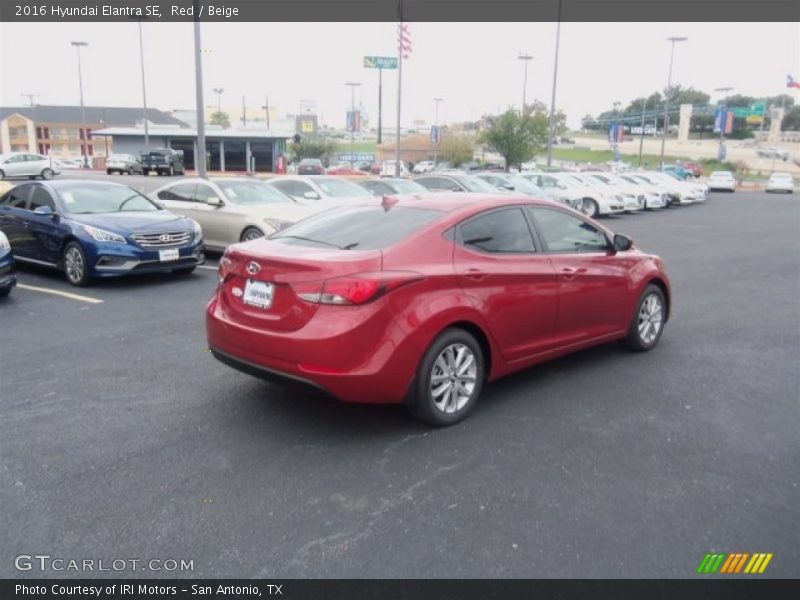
472,66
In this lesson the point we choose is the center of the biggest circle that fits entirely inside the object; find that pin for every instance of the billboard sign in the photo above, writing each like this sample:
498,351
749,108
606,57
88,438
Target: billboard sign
434,134
353,121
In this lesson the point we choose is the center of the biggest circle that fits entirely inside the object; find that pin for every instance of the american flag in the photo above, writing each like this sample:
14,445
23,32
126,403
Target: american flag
403,39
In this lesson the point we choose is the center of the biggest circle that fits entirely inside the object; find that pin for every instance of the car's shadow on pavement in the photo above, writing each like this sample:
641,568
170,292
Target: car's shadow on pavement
309,413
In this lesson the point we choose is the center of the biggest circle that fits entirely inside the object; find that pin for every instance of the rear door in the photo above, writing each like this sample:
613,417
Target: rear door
507,280
593,280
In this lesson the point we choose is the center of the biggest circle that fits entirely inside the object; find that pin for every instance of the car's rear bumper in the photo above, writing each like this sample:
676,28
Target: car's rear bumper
364,358
8,277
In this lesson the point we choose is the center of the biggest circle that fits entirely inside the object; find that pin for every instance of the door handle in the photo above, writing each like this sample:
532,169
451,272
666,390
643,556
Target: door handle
570,272
475,274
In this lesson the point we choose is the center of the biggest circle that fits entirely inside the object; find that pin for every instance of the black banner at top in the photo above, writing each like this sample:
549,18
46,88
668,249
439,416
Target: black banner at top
412,10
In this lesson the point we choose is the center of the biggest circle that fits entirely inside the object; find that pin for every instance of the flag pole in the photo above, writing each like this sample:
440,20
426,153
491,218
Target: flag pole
399,84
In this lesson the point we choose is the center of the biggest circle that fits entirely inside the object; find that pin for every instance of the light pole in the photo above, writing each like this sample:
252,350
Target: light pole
144,90
84,137
723,119
436,123
551,123
525,58
200,159
352,85
641,133
218,92
667,93
615,146
266,108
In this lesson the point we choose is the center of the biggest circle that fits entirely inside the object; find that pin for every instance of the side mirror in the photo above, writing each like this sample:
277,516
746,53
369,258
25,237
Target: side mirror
214,201
508,186
311,196
622,242
44,211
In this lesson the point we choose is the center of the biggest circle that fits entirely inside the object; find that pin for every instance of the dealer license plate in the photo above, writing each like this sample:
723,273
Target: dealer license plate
169,254
258,294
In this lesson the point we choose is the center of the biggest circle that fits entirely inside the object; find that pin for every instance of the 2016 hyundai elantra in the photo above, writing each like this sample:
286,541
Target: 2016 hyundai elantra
423,299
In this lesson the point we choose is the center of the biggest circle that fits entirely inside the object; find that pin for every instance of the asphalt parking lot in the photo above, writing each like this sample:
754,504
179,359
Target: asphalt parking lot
123,438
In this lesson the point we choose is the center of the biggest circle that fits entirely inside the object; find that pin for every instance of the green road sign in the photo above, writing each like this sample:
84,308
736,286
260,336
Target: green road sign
380,62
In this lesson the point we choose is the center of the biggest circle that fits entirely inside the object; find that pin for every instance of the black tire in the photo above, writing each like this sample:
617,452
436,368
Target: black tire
184,270
637,339
2,174
421,402
590,208
75,267
5,291
251,233
109,171
145,172
47,173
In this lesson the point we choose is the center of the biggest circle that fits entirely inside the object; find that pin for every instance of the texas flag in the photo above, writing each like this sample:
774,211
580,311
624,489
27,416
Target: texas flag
791,83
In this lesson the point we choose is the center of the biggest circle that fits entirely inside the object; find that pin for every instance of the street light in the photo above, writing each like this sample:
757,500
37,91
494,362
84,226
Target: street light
525,58
352,85
200,157
722,120
218,92
615,144
551,122
144,90
436,123
85,140
672,40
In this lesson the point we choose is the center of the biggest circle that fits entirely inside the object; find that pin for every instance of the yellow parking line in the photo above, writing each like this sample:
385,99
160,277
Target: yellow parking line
59,293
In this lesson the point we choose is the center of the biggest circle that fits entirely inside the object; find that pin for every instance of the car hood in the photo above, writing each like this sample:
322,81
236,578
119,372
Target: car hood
285,211
133,222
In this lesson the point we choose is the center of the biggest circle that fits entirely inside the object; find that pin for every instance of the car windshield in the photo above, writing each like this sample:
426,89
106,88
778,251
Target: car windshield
523,185
93,199
404,186
721,174
251,192
474,184
357,228
338,188
781,176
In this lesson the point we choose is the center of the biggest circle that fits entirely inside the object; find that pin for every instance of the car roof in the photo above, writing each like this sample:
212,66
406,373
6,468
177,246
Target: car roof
58,184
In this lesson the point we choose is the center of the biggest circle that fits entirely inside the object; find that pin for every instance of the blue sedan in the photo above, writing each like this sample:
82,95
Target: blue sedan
96,229
7,277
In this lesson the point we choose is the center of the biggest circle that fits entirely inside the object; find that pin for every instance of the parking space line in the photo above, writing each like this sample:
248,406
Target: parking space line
208,267
33,288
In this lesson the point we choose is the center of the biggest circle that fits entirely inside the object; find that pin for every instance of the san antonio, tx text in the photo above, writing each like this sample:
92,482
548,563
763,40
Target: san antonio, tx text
129,589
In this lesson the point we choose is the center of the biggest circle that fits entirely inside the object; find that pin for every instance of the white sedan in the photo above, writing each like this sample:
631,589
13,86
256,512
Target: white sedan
780,182
22,164
722,180
321,191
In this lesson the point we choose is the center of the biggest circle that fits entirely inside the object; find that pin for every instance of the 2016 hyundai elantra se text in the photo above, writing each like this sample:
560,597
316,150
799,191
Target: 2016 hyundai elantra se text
423,299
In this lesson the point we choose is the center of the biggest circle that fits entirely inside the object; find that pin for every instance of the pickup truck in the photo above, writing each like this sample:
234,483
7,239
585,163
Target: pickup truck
164,161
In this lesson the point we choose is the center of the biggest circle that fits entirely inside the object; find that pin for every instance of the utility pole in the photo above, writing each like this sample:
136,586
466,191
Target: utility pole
551,125
144,91
244,113
400,52
200,159
641,133
266,108
84,137
353,85
438,134
667,93
380,104
723,121
218,92
526,59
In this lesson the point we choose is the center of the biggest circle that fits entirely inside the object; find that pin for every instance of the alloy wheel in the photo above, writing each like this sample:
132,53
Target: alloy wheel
650,318
453,378
74,265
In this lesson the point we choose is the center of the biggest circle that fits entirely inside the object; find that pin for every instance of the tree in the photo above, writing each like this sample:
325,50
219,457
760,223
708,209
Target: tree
313,148
517,137
791,120
220,118
456,148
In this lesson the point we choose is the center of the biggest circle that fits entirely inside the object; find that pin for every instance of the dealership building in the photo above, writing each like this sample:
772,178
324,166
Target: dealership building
244,150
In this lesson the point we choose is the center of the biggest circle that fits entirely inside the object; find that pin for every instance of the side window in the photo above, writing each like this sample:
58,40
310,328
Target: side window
41,197
17,197
497,231
379,189
288,187
563,232
183,192
438,183
204,192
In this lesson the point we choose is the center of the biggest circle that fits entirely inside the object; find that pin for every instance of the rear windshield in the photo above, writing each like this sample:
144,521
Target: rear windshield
338,188
358,227
252,192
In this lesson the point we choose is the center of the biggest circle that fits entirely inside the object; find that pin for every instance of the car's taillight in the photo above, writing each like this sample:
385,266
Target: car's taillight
225,265
354,289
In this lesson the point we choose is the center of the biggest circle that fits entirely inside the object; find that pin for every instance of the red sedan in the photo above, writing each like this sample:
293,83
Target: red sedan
422,300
